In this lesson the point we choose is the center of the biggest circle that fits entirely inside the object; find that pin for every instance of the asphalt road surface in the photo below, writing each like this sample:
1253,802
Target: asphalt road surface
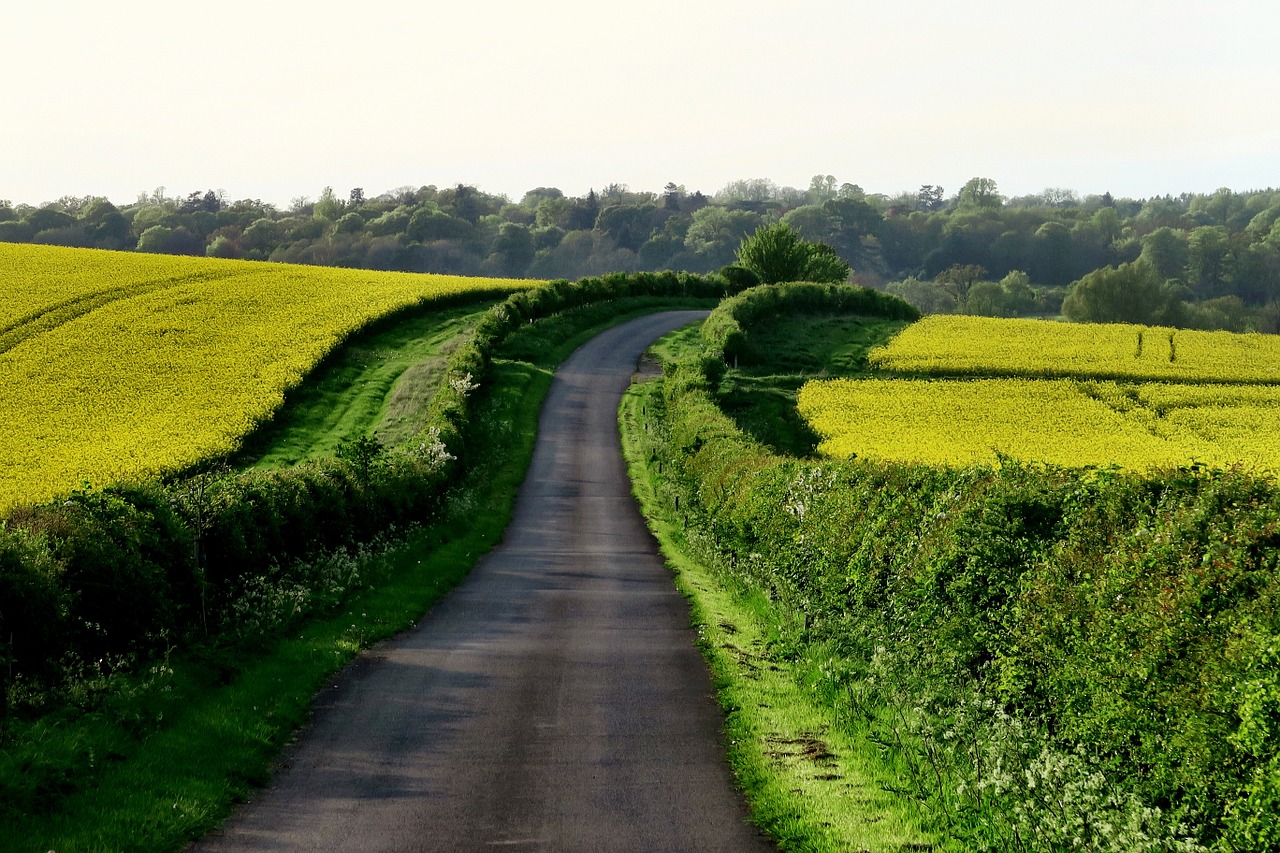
555,701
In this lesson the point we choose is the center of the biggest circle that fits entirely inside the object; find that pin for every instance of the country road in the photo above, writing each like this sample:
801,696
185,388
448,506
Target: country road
555,701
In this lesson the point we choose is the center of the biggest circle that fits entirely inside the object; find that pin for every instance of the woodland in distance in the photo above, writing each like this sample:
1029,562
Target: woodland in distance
1209,261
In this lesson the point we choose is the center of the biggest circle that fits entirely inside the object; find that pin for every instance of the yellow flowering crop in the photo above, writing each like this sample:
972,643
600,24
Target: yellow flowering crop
1218,410
982,346
962,422
179,362
1059,421
42,287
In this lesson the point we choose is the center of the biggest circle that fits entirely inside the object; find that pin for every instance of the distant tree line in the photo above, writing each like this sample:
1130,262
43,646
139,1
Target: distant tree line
1208,260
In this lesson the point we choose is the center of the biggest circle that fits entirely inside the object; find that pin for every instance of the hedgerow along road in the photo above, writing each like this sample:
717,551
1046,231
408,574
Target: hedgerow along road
554,701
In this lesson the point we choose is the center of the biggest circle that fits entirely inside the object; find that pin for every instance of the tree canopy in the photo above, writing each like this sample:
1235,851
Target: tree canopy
776,253
1205,248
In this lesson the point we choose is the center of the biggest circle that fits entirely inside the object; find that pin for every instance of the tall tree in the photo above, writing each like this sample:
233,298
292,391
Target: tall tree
329,206
930,197
776,253
979,193
821,188
672,194
960,279
1165,251
1130,293
1208,260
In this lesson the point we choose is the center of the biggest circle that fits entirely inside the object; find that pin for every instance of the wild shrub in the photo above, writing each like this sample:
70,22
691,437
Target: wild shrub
124,559
33,606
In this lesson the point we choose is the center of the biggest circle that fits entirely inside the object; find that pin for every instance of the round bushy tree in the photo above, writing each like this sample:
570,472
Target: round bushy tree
776,253
1129,293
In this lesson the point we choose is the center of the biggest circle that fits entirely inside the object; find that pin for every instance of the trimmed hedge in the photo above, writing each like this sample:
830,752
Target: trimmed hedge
1107,645
129,570
726,332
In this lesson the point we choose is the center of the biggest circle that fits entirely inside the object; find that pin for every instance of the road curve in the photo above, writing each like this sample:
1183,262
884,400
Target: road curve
555,701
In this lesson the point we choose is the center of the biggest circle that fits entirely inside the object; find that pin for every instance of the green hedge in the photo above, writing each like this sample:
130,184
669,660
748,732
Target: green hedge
1063,651
100,576
726,332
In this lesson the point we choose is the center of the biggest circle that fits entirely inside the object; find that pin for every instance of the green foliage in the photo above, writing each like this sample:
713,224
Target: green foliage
1073,657
1216,245
1012,296
33,607
714,232
823,264
740,277
1130,293
979,193
776,253
1254,820
361,453
16,232
929,297
124,556
1165,251
726,332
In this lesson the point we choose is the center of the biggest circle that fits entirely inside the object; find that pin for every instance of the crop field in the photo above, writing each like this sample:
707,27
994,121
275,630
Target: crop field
117,365
1101,407
944,345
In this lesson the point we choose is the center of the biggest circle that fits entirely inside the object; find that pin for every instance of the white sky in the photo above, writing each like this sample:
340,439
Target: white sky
272,100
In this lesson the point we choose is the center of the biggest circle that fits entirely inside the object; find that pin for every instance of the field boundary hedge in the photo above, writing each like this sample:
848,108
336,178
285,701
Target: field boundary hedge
104,577
726,333
1066,658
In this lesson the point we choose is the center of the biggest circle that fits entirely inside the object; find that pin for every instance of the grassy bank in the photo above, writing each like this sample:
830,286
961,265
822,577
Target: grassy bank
380,383
812,784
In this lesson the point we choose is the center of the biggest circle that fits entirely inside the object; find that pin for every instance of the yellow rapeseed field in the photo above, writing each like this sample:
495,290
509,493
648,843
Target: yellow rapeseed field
1221,412
1058,421
44,286
945,345
181,359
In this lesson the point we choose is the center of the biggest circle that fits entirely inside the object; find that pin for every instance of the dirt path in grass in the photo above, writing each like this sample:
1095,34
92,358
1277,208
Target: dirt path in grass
554,702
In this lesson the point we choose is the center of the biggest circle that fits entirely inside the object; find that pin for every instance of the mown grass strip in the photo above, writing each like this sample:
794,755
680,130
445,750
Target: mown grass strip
380,383
811,785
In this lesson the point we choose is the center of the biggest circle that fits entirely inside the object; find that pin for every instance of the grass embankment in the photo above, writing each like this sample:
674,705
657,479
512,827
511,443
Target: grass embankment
379,384
813,784
151,762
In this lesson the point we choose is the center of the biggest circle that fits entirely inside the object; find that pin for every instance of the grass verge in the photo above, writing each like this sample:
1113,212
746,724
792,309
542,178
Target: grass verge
812,785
